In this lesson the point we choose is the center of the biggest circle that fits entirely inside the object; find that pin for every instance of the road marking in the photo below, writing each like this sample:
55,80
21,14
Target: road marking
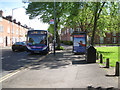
20,69
8,76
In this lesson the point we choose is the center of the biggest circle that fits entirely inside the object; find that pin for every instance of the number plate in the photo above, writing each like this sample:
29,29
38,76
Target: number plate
36,51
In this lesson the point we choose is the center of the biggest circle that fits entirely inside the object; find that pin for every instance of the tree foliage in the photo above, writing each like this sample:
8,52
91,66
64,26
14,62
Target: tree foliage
45,11
90,16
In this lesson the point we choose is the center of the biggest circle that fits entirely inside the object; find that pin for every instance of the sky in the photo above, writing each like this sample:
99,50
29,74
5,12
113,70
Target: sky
19,14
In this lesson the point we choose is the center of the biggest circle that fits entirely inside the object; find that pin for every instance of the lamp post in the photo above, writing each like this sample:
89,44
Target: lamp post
13,22
54,28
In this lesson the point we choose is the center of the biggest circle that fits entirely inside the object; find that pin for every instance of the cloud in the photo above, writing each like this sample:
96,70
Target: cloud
20,15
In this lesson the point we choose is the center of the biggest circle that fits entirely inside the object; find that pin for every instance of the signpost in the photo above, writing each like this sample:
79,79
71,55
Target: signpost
52,21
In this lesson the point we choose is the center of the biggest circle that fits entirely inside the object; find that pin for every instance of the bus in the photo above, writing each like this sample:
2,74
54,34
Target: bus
37,41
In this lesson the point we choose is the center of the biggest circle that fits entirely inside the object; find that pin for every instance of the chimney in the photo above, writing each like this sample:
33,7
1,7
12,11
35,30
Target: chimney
9,18
19,23
14,20
1,13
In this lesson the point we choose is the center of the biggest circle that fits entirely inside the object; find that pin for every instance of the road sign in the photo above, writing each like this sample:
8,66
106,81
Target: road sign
52,21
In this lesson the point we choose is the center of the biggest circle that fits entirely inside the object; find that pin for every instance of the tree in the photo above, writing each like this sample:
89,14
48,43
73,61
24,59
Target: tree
95,17
45,11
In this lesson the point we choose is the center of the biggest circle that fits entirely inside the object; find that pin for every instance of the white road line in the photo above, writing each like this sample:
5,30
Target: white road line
8,76
20,69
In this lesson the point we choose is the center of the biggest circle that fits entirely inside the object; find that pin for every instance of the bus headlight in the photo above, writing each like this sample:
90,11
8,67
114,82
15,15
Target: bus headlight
28,47
44,48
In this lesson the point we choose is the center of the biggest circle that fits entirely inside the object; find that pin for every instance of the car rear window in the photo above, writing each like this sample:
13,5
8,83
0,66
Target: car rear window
20,43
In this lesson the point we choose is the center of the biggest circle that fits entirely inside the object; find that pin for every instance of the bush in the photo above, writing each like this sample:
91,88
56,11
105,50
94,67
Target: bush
61,48
67,42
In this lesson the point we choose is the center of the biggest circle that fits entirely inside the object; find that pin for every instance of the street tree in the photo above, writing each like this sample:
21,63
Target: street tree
94,17
45,11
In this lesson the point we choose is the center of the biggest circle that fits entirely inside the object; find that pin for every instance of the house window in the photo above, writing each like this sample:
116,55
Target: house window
17,31
71,38
119,40
108,39
1,28
67,30
114,39
114,33
78,29
1,39
101,39
12,30
71,30
1,19
8,30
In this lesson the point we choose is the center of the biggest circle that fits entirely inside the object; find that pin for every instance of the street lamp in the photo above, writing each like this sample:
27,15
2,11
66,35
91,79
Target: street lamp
54,27
12,20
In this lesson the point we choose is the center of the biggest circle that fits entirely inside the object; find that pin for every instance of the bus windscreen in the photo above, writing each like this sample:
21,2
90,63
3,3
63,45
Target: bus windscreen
37,39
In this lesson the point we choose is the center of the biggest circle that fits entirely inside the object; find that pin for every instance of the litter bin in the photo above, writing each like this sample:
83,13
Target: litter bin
91,54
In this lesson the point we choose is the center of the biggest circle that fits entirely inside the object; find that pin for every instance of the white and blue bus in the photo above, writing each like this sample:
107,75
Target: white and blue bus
37,41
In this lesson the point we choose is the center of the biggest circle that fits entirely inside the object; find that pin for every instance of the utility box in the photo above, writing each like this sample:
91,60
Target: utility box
91,54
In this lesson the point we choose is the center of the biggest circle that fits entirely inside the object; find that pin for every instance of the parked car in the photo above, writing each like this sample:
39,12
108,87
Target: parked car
19,46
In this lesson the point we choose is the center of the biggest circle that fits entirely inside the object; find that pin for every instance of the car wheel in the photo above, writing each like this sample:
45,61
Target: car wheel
13,50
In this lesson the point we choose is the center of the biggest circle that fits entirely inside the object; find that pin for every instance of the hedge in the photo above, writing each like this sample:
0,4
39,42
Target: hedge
67,42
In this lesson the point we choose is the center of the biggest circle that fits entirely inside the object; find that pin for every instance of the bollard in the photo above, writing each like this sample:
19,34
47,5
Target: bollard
107,63
117,69
97,56
101,58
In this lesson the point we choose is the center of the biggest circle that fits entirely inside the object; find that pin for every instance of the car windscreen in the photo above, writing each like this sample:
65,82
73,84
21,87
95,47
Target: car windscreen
19,43
37,39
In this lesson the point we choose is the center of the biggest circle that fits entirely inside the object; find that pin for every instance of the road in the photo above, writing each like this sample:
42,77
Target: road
64,70
12,61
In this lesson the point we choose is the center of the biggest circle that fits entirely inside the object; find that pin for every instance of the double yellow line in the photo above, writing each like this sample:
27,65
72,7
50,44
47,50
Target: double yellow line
20,69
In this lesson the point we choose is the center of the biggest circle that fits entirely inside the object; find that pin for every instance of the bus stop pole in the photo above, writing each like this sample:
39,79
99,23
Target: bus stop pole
54,27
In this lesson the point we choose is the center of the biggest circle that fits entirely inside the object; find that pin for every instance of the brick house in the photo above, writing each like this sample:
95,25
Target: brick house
11,31
111,37
66,33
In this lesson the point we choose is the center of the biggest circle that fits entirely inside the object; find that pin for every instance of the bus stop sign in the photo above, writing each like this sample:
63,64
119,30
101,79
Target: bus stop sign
52,21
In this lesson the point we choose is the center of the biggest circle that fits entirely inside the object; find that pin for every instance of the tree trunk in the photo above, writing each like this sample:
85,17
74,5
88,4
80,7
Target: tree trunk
94,29
95,25
57,40
57,37
95,20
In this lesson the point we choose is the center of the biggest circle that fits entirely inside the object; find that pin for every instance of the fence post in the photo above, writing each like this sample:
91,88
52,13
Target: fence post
97,55
107,63
117,69
101,58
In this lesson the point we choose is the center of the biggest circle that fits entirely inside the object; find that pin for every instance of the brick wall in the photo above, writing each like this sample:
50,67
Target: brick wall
110,38
7,35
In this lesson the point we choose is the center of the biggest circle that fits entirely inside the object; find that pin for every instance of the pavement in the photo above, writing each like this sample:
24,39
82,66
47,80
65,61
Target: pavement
64,70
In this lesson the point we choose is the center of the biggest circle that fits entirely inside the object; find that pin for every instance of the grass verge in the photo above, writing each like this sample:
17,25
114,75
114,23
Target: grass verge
109,52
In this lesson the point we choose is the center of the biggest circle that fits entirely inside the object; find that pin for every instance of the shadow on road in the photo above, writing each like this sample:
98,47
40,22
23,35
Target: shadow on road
14,60
61,59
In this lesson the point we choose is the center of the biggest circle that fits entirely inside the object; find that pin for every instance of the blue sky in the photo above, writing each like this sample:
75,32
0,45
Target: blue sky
8,5
19,13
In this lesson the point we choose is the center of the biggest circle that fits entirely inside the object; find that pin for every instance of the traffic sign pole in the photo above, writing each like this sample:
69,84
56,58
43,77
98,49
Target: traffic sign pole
54,27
